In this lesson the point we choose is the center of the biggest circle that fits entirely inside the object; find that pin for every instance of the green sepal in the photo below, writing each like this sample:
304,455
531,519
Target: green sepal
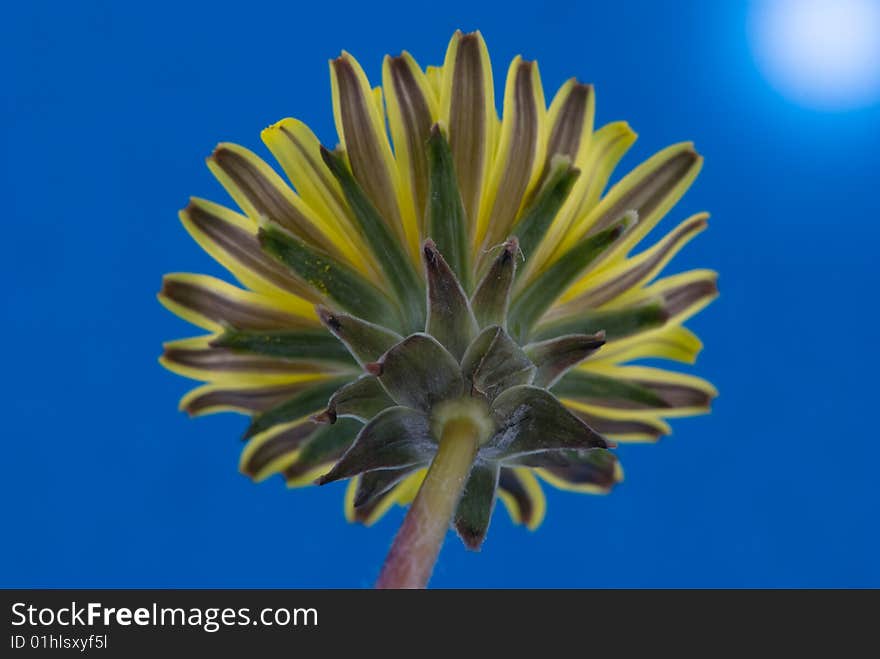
329,277
554,357
595,467
365,341
307,402
304,344
536,219
362,399
530,304
396,437
450,319
374,484
530,419
494,362
616,323
491,298
418,372
474,511
323,448
389,253
446,220
592,386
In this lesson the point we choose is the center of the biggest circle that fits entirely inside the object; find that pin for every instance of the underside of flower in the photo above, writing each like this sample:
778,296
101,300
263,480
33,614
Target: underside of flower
466,277
461,371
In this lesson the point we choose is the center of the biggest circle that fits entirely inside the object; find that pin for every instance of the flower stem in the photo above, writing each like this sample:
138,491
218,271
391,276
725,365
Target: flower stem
415,550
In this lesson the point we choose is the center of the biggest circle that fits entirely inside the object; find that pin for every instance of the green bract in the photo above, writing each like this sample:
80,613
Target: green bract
451,370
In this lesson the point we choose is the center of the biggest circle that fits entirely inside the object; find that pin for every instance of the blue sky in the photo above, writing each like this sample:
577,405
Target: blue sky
109,111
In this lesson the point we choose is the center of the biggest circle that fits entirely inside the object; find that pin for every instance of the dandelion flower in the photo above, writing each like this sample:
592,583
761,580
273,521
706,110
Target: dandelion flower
444,313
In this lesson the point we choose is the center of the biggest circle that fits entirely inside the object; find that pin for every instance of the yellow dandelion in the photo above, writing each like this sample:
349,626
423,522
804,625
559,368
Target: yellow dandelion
445,311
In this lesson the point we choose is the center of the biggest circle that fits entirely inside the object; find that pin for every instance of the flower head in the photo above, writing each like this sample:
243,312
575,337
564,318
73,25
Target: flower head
463,269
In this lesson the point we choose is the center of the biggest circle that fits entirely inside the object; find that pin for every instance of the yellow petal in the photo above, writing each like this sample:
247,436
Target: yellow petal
570,123
606,147
212,304
195,358
684,294
651,189
262,195
519,158
348,501
467,107
523,497
232,240
412,110
239,397
580,488
651,419
298,152
361,127
434,74
673,342
275,449
687,395
402,494
599,287
645,430
409,487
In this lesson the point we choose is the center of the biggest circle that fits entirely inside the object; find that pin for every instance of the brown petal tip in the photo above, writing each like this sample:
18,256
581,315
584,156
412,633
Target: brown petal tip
328,416
439,130
328,318
473,541
362,497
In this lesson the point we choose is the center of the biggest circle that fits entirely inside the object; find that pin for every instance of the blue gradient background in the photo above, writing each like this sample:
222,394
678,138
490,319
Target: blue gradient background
109,110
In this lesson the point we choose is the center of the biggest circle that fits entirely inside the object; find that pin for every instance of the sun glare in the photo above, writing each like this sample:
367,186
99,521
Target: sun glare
823,54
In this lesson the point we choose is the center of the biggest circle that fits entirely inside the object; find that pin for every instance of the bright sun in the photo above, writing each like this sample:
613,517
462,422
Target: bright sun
823,54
